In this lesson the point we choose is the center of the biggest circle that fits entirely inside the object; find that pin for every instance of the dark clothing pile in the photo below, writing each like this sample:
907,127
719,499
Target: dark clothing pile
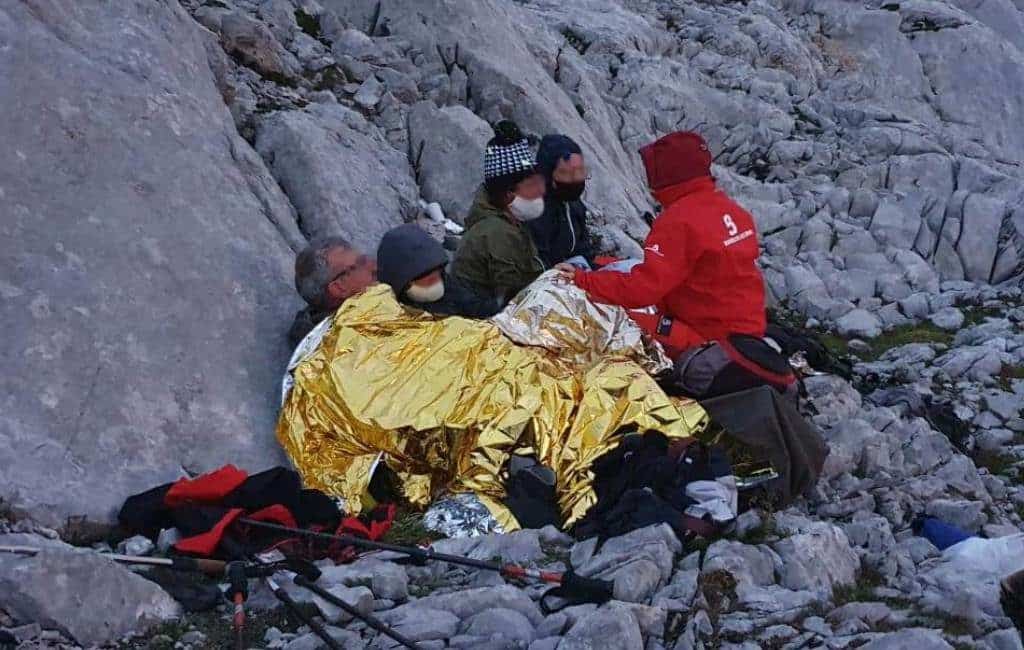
206,511
561,232
644,481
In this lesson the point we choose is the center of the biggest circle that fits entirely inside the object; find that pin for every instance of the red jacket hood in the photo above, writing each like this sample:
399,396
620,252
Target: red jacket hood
675,158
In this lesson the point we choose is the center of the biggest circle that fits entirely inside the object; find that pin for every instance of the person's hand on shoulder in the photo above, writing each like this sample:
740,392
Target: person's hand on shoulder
566,271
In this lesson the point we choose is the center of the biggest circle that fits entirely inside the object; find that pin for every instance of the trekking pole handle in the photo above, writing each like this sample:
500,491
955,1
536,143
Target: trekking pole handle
574,582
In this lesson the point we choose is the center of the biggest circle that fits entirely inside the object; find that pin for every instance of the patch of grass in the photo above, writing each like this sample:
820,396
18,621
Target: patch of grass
218,629
957,626
307,23
835,344
996,462
79,531
330,78
1007,374
576,40
977,315
862,589
408,529
8,513
719,589
905,335
766,532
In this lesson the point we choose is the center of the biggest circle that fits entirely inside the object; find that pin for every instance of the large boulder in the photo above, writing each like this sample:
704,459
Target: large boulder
147,261
448,147
339,171
81,593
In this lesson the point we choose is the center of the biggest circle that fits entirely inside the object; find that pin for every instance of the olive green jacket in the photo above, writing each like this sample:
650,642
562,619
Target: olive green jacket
497,255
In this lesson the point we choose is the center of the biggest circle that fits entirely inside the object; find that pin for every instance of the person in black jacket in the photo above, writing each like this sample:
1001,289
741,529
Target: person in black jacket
561,232
412,263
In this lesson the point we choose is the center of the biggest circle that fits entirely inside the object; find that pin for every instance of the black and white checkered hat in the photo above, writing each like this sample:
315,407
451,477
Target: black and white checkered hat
507,153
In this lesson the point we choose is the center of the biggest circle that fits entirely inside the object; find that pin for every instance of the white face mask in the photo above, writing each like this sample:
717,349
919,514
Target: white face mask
526,209
433,293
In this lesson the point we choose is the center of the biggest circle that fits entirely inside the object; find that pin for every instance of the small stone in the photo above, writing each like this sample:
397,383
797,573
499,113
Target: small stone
423,623
858,346
777,634
650,619
918,639
360,598
817,625
506,623
271,635
553,625
136,546
369,93
820,558
966,515
1005,405
948,318
611,626
26,632
987,420
160,641
747,522
870,613
860,323
385,579
550,643
167,538
193,637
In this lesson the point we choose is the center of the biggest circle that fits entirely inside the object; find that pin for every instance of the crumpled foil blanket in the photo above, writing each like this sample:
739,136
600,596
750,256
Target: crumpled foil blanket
445,401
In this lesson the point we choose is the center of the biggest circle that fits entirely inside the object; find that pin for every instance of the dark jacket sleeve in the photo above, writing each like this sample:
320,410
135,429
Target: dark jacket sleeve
578,213
544,233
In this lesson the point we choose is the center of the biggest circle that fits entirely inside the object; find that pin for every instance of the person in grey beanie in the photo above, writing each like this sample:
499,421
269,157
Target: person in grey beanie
412,263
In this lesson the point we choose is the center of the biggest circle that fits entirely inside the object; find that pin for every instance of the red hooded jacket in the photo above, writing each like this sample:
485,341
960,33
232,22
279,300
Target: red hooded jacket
700,258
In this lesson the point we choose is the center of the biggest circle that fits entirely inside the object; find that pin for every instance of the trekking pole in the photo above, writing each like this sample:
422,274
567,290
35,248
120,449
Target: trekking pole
592,589
198,565
294,608
372,621
238,591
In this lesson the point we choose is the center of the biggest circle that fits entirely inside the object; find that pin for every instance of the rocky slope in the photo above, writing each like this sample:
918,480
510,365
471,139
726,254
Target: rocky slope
166,159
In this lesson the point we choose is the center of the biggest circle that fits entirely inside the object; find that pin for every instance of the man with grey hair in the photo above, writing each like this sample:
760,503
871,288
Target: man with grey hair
328,272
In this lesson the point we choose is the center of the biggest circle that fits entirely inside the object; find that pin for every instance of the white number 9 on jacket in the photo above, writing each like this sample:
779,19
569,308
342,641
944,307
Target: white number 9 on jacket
730,225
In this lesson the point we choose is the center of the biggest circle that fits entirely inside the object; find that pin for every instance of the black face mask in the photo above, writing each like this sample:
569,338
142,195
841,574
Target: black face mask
569,191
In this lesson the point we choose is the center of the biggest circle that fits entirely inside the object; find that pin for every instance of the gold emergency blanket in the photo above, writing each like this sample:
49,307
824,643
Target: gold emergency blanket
445,401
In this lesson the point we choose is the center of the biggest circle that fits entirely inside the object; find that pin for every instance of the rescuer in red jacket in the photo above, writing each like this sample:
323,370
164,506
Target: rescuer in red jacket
700,258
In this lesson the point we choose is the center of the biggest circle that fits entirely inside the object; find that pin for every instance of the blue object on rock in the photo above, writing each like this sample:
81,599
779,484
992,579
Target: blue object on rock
938,532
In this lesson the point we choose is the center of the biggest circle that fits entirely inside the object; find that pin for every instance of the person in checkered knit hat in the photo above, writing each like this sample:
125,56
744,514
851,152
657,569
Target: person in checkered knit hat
497,254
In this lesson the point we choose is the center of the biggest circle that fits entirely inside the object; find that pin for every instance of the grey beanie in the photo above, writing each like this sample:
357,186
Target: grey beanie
405,253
